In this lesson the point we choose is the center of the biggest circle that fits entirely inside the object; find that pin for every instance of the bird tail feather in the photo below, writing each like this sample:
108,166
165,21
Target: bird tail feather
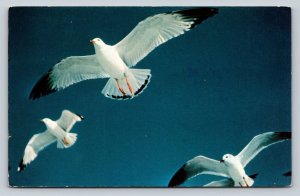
249,181
70,140
246,182
134,82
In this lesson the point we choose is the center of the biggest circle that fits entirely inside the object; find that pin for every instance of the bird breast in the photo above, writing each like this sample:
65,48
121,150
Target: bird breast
110,60
58,132
236,171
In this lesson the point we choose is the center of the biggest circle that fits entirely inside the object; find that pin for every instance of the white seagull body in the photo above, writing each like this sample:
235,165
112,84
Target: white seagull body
231,167
58,130
115,62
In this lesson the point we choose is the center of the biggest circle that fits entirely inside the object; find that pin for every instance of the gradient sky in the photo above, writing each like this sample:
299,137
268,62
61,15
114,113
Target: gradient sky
211,91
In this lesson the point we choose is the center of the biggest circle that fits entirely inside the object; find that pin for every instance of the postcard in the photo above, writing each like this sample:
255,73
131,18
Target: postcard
150,97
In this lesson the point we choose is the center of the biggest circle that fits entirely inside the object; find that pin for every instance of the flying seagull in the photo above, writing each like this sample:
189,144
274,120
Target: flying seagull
116,61
230,166
58,130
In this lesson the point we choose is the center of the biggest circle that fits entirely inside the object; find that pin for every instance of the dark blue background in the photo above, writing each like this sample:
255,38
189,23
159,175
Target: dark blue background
211,91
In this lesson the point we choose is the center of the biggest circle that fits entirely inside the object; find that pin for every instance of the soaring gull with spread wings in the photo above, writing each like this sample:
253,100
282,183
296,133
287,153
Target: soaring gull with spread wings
58,130
116,61
230,166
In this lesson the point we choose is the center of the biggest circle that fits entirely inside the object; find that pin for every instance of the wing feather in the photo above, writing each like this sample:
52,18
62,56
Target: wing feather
221,183
69,71
196,166
36,144
260,142
156,30
68,119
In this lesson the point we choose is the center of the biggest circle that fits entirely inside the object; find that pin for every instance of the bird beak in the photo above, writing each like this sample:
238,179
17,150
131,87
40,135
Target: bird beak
91,41
221,161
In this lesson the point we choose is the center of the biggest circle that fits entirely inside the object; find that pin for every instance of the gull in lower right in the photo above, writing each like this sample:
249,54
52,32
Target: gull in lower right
230,166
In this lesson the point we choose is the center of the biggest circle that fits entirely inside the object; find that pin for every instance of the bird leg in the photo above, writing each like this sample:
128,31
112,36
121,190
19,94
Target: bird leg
65,141
245,182
240,184
129,86
120,88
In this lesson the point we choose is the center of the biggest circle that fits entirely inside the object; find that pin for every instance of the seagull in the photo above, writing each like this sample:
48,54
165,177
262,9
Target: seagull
116,61
230,166
58,130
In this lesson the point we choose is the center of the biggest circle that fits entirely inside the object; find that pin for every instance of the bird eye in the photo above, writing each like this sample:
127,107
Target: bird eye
226,157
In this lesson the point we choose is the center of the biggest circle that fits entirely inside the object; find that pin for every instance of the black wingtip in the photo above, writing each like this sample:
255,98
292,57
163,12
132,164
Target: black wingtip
287,174
284,135
198,15
80,116
253,176
21,166
42,87
179,177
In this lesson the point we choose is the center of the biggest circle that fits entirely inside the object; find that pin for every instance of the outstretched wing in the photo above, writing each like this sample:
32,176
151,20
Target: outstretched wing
156,30
196,166
260,142
37,143
226,182
68,119
69,71
221,183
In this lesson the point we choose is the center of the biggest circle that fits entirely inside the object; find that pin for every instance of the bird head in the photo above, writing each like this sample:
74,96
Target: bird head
44,120
227,158
48,122
97,42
